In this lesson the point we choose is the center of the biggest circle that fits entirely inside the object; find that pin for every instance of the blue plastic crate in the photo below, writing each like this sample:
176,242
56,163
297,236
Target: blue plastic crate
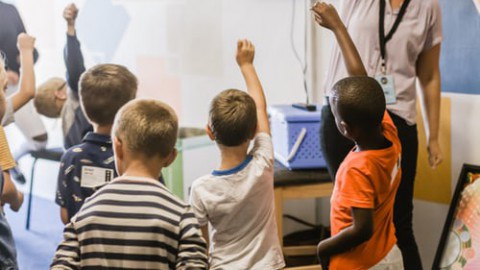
288,124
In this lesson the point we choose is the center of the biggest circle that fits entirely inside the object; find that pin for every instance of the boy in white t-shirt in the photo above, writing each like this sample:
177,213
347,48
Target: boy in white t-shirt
237,198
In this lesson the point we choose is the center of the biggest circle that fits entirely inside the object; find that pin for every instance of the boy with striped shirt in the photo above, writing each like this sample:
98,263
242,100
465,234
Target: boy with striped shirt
134,222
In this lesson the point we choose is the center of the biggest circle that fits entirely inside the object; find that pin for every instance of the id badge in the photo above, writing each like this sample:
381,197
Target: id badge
93,177
386,81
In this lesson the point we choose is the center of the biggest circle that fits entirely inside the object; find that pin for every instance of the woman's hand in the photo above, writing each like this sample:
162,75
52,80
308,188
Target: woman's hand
435,156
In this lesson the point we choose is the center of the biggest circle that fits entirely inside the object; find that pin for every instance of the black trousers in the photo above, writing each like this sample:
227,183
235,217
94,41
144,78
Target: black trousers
335,147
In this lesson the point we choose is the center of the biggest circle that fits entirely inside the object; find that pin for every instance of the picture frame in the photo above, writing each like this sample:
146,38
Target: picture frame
459,246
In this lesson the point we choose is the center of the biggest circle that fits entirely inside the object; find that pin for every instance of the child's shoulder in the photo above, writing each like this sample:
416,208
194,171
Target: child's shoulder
149,188
73,153
209,185
203,181
79,156
359,162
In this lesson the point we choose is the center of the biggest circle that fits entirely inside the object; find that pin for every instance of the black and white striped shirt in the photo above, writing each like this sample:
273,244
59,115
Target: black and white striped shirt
132,223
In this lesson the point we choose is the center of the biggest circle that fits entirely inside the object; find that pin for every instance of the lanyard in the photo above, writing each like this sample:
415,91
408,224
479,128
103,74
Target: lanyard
381,28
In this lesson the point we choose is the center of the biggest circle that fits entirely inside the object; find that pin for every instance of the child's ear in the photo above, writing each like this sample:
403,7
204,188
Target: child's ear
118,148
209,132
61,94
171,158
346,130
118,154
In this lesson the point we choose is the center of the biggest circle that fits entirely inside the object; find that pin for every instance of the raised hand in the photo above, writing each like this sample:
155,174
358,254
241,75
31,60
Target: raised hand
245,52
25,42
326,15
70,14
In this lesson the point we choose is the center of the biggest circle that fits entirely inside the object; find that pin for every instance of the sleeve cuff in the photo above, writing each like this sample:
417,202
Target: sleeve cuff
357,203
435,42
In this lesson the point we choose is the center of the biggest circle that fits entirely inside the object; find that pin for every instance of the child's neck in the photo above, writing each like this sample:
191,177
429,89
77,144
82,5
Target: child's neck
233,156
372,141
102,129
143,168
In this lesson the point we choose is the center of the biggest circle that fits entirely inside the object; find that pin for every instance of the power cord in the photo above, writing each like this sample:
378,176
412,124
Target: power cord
303,64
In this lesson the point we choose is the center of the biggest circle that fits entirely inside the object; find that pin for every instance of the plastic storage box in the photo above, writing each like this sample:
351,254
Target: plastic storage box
295,135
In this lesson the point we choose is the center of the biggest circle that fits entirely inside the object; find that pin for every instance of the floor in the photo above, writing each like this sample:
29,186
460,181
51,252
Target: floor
36,247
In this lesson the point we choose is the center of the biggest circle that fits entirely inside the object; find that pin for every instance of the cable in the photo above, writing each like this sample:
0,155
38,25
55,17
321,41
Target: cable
303,65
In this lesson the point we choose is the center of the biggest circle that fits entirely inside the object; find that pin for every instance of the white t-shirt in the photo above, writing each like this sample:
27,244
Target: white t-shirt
239,205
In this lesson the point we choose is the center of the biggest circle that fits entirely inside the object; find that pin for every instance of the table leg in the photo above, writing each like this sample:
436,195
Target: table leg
279,213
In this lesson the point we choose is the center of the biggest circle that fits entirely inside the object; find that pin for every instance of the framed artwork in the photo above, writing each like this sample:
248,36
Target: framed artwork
459,247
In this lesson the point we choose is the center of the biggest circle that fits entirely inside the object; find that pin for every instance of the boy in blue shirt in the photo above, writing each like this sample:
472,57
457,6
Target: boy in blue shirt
84,168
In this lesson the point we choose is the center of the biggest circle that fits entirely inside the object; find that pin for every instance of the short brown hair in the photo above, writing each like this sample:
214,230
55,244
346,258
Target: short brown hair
104,89
45,99
233,117
147,127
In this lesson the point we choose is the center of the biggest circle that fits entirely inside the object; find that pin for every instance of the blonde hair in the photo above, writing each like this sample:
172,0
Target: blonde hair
45,98
104,89
147,127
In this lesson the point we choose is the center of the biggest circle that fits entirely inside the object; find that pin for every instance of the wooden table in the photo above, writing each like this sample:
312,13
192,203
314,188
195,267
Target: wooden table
301,184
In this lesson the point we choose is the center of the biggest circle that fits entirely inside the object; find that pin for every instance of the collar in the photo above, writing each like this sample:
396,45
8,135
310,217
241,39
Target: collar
233,170
93,137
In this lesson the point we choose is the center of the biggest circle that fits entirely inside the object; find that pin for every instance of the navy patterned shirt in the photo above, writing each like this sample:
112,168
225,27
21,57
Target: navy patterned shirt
84,168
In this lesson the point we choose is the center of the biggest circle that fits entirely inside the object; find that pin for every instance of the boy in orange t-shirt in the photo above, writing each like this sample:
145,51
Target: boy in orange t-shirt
363,233
361,215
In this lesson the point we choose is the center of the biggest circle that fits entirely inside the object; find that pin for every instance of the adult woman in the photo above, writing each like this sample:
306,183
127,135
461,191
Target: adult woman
399,42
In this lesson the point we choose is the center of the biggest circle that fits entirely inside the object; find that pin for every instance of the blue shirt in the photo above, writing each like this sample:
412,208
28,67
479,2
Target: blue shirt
84,168
74,123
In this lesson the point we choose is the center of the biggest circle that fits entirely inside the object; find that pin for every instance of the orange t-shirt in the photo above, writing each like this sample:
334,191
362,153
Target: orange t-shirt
6,159
367,179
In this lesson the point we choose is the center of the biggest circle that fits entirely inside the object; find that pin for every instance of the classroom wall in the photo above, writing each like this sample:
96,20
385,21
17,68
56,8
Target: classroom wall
182,51
430,215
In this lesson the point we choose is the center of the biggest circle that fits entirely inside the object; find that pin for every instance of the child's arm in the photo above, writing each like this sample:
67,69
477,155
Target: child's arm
26,92
327,16
192,250
245,55
73,54
3,87
67,255
64,215
360,231
63,195
205,235
10,194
